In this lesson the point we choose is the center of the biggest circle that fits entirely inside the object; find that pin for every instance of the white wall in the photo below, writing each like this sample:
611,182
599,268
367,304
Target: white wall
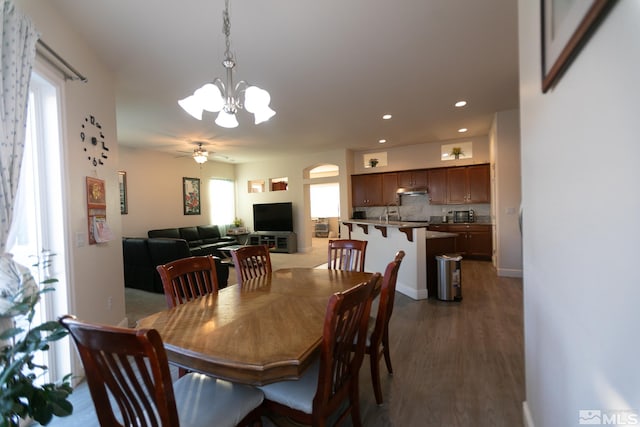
505,164
154,187
421,156
96,285
293,167
580,192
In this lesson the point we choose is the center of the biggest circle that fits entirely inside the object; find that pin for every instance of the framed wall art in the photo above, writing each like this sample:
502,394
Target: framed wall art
191,195
99,231
566,27
122,184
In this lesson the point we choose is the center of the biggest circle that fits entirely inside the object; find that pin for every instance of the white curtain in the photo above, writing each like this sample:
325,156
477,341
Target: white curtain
17,53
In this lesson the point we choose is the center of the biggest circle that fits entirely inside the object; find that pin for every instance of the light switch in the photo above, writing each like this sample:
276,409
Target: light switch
81,239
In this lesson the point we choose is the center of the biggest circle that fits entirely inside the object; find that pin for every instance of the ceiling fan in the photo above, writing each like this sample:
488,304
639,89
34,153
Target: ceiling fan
200,155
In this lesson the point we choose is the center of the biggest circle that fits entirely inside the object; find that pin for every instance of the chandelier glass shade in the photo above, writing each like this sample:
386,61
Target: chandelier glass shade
200,155
226,98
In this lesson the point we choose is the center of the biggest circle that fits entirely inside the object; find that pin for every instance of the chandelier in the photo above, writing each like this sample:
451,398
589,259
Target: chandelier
200,155
224,96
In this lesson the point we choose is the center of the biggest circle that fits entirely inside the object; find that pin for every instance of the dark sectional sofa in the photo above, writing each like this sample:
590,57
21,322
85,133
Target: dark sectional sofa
202,239
142,255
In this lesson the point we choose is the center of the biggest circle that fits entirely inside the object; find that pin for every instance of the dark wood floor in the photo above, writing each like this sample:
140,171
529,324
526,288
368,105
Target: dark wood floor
455,363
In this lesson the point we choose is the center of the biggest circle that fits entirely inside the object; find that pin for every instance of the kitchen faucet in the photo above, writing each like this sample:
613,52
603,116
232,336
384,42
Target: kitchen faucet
388,213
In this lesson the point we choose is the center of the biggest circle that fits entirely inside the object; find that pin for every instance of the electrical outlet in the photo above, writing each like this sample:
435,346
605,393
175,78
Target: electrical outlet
109,303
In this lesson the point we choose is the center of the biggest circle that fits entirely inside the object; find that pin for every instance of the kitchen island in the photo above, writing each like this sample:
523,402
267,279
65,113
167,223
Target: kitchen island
417,276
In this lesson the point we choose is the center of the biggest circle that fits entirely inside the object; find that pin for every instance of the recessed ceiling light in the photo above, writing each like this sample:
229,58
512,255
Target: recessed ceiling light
387,116
460,103
382,141
462,130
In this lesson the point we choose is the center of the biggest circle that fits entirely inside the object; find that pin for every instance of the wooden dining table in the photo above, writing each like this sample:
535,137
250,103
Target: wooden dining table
268,329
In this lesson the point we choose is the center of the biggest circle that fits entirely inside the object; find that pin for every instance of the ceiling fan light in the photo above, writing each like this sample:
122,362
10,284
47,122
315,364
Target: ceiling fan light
192,105
200,156
226,120
210,97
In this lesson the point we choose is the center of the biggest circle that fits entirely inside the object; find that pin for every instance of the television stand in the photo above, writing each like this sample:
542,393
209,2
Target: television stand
277,241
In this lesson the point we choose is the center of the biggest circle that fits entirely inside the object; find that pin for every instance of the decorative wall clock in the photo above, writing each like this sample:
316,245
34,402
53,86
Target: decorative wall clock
91,134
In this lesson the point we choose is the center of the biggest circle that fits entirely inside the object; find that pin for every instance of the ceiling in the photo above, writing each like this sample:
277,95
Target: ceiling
333,68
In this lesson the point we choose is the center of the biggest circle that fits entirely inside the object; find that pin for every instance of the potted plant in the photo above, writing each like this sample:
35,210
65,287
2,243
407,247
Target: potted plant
373,162
22,395
457,152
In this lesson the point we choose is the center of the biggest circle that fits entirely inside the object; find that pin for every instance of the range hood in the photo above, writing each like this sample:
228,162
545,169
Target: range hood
412,191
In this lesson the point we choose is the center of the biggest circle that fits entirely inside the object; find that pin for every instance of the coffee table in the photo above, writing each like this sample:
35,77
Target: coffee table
226,251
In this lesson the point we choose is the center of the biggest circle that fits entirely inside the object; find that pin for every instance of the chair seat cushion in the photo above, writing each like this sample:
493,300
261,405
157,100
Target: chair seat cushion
205,401
296,394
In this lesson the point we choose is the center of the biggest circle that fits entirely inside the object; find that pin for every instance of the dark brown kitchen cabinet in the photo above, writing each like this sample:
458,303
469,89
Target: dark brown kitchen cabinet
366,190
468,184
413,179
473,240
437,186
479,181
389,188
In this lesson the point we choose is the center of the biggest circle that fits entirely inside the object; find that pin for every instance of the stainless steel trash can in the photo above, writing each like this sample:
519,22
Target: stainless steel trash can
449,277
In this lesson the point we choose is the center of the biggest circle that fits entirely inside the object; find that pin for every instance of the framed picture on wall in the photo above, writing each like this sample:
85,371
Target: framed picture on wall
566,27
191,195
122,184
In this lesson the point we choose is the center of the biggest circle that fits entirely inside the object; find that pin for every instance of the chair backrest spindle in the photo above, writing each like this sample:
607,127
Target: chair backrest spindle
186,279
251,261
346,254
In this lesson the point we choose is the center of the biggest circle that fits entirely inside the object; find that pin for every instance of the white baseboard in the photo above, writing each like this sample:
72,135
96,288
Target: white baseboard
411,292
509,272
526,415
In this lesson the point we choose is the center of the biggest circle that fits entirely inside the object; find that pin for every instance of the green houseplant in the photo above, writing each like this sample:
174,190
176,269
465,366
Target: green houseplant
22,395
457,152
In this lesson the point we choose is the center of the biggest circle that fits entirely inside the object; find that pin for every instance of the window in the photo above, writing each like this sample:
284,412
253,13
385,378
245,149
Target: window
325,200
222,200
38,212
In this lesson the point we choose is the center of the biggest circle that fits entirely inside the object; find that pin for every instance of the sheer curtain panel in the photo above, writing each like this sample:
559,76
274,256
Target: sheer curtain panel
17,53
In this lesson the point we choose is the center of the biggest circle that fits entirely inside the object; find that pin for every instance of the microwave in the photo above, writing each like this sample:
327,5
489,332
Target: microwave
464,216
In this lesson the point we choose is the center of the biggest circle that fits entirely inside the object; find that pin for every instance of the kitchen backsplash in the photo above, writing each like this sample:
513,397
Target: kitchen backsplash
417,208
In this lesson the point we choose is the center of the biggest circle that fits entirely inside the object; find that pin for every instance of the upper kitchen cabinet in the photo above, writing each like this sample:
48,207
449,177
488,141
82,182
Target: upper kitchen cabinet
469,184
389,188
366,190
413,179
437,186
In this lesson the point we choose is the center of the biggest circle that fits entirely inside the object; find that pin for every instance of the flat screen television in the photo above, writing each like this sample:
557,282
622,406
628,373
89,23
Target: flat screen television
273,216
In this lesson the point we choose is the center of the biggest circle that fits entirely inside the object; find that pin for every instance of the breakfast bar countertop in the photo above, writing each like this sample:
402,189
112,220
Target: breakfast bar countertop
398,224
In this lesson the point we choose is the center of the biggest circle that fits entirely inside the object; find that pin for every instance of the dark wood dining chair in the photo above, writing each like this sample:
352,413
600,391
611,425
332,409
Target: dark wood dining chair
251,261
130,384
329,385
346,254
378,334
188,278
